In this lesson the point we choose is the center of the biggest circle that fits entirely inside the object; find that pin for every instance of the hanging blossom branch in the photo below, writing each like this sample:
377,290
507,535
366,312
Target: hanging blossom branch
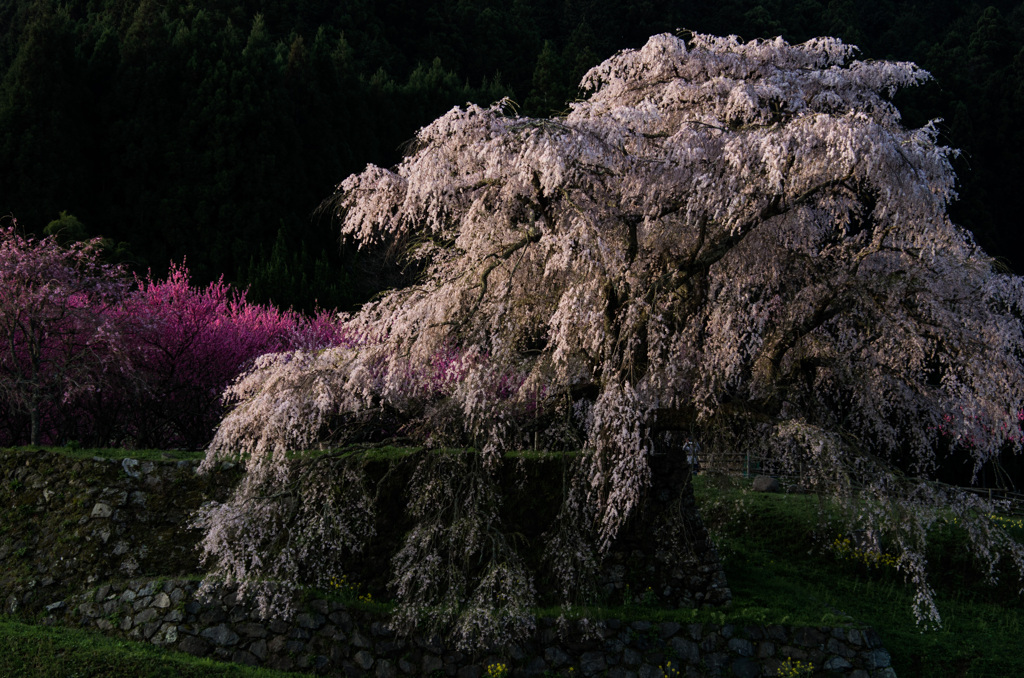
736,239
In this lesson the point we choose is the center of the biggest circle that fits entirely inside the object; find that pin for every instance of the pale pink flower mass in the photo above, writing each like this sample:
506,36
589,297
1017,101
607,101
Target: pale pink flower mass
737,240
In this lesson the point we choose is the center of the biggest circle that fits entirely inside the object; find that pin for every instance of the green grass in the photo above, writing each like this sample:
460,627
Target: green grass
75,452
776,558
371,452
40,651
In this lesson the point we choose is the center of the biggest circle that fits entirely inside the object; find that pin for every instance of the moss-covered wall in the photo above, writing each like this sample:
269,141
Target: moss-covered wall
69,523
106,543
66,524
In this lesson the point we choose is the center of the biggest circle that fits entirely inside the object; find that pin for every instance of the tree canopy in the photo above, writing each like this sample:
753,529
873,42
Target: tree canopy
735,240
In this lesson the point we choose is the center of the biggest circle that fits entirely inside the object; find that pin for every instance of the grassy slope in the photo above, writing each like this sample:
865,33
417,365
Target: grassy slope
44,652
777,561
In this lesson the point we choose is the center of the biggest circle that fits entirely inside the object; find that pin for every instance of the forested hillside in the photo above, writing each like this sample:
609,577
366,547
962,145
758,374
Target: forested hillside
213,130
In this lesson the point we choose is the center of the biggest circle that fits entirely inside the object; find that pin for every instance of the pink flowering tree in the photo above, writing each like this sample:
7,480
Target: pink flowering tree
187,344
85,357
57,337
736,240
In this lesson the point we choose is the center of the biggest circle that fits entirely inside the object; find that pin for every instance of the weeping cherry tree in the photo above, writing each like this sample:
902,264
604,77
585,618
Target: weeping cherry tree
736,240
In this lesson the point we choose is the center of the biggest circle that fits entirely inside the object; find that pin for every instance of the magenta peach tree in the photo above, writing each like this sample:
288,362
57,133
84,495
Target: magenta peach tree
87,356
738,240
187,343
57,337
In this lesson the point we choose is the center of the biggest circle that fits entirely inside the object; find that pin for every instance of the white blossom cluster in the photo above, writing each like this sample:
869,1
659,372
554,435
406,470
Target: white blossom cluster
737,239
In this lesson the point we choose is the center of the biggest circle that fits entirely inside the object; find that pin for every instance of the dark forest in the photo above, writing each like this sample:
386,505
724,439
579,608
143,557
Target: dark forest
212,132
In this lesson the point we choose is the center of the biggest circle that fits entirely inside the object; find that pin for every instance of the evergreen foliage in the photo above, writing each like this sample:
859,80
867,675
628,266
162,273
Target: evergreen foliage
198,128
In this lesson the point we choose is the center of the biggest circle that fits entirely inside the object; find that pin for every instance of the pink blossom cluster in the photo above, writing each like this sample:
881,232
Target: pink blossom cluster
90,356
740,241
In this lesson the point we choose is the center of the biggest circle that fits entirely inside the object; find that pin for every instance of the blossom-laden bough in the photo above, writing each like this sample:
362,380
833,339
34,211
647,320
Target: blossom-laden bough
736,240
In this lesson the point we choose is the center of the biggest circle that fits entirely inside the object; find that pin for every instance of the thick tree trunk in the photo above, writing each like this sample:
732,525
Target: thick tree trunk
664,548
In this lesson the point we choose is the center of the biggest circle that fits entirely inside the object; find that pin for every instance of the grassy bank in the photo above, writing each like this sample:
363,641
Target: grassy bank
781,561
28,651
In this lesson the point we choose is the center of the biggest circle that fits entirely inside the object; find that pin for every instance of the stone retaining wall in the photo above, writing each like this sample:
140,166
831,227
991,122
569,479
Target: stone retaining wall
118,530
332,638
67,524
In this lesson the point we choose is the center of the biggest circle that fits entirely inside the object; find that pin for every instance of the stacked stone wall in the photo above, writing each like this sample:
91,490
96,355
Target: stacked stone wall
331,637
106,544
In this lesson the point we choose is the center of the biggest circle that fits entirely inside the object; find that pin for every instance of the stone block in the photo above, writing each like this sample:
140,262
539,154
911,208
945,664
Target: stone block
221,635
310,621
745,667
535,667
299,633
243,657
431,663
837,664
741,646
753,632
668,629
715,663
278,626
195,646
277,644
592,663
167,635
765,484
363,660
90,610
808,636
557,657
251,630
259,649
686,650
386,669
361,641
146,615
212,615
